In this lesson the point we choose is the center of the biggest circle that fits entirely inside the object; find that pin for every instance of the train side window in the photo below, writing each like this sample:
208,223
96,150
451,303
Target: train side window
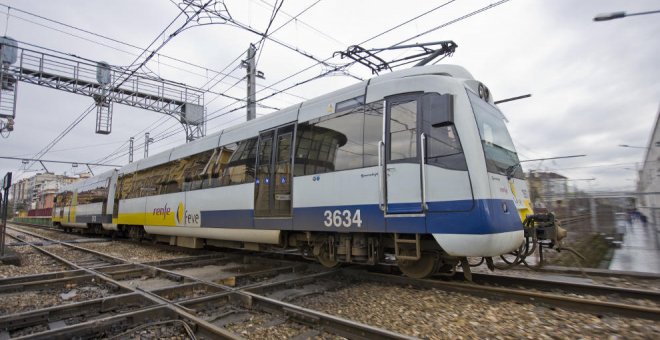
331,143
444,148
68,195
240,168
194,167
303,141
350,125
373,132
127,186
443,145
172,180
220,163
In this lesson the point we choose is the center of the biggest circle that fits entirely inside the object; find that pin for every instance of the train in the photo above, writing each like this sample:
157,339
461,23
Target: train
414,168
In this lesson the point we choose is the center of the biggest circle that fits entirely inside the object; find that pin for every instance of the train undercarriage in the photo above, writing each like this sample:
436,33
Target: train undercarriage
416,255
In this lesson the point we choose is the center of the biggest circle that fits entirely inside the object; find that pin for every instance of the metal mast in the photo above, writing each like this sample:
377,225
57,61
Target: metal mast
251,85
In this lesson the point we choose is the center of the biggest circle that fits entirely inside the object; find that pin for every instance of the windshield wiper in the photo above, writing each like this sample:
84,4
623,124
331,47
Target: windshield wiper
511,170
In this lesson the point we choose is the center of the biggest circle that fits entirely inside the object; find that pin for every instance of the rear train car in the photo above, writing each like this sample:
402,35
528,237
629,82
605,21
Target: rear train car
84,204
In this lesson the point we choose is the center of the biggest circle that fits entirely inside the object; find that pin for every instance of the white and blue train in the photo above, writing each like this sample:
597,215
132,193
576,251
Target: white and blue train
416,165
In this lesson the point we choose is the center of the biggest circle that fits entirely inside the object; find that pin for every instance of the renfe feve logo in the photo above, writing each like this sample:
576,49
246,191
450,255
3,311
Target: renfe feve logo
162,211
184,217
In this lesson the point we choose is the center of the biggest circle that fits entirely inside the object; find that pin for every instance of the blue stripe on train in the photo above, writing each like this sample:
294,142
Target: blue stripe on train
486,217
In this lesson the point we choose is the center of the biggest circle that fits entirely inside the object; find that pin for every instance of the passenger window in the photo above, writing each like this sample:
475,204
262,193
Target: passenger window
331,143
172,179
240,168
220,163
194,173
346,127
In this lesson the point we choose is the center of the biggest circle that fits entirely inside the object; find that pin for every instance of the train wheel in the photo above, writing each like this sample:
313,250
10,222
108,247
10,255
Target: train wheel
325,260
425,266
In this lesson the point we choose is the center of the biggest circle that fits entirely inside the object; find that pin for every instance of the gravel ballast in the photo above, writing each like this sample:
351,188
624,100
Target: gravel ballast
436,314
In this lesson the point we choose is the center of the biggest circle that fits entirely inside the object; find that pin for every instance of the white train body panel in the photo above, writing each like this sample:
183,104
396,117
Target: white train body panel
469,209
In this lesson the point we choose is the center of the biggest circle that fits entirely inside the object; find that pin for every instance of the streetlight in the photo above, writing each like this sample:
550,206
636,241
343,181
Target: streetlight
619,15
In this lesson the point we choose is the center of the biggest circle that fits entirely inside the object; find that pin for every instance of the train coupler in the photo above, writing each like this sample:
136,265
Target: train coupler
544,227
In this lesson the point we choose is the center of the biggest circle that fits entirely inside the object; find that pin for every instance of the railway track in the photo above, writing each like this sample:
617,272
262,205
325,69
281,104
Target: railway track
122,309
239,295
580,297
566,285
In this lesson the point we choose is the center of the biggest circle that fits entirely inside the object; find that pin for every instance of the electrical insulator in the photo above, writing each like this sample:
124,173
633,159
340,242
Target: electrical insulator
10,124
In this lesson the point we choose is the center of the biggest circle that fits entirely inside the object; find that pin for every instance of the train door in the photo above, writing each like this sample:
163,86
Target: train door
402,161
272,190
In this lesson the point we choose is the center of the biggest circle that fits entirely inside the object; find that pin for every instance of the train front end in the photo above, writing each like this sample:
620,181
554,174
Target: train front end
500,197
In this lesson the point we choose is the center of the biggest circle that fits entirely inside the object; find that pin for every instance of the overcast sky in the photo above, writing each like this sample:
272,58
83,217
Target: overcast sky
594,85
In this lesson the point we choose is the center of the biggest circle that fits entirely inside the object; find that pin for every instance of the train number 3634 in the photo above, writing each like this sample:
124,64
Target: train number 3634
342,218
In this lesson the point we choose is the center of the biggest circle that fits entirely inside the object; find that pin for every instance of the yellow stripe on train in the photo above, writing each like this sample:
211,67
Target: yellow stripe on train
146,218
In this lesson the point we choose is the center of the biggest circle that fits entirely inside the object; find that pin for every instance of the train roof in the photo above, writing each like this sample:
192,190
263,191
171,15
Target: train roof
305,111
94,179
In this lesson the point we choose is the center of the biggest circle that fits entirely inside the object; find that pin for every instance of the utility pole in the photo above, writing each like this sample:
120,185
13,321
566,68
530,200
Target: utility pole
130,150
4,201
147,140
251,82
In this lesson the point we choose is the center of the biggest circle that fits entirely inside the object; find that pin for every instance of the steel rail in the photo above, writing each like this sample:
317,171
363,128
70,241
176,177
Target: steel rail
332,324
111,260
217,332
537,298
599,272
570,287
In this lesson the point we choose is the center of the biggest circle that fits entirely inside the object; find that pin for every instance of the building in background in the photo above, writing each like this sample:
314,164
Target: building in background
547,190
648,183
38,191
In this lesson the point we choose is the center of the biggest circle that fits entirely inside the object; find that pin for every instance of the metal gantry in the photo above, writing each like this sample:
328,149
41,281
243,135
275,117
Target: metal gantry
105,84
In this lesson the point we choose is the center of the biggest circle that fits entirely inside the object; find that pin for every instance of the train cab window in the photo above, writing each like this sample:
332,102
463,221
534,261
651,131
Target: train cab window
403,130
373,132
495,139
240,168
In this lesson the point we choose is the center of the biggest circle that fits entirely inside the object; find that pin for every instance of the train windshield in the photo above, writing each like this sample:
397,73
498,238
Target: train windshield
500,153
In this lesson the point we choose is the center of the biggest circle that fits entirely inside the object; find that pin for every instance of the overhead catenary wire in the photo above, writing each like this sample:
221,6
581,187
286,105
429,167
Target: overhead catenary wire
306,24
204,68
103,37
211,117
265,36
215,115
217,94
88,110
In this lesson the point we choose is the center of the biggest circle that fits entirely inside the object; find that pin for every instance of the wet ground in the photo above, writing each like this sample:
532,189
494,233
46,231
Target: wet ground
640,250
